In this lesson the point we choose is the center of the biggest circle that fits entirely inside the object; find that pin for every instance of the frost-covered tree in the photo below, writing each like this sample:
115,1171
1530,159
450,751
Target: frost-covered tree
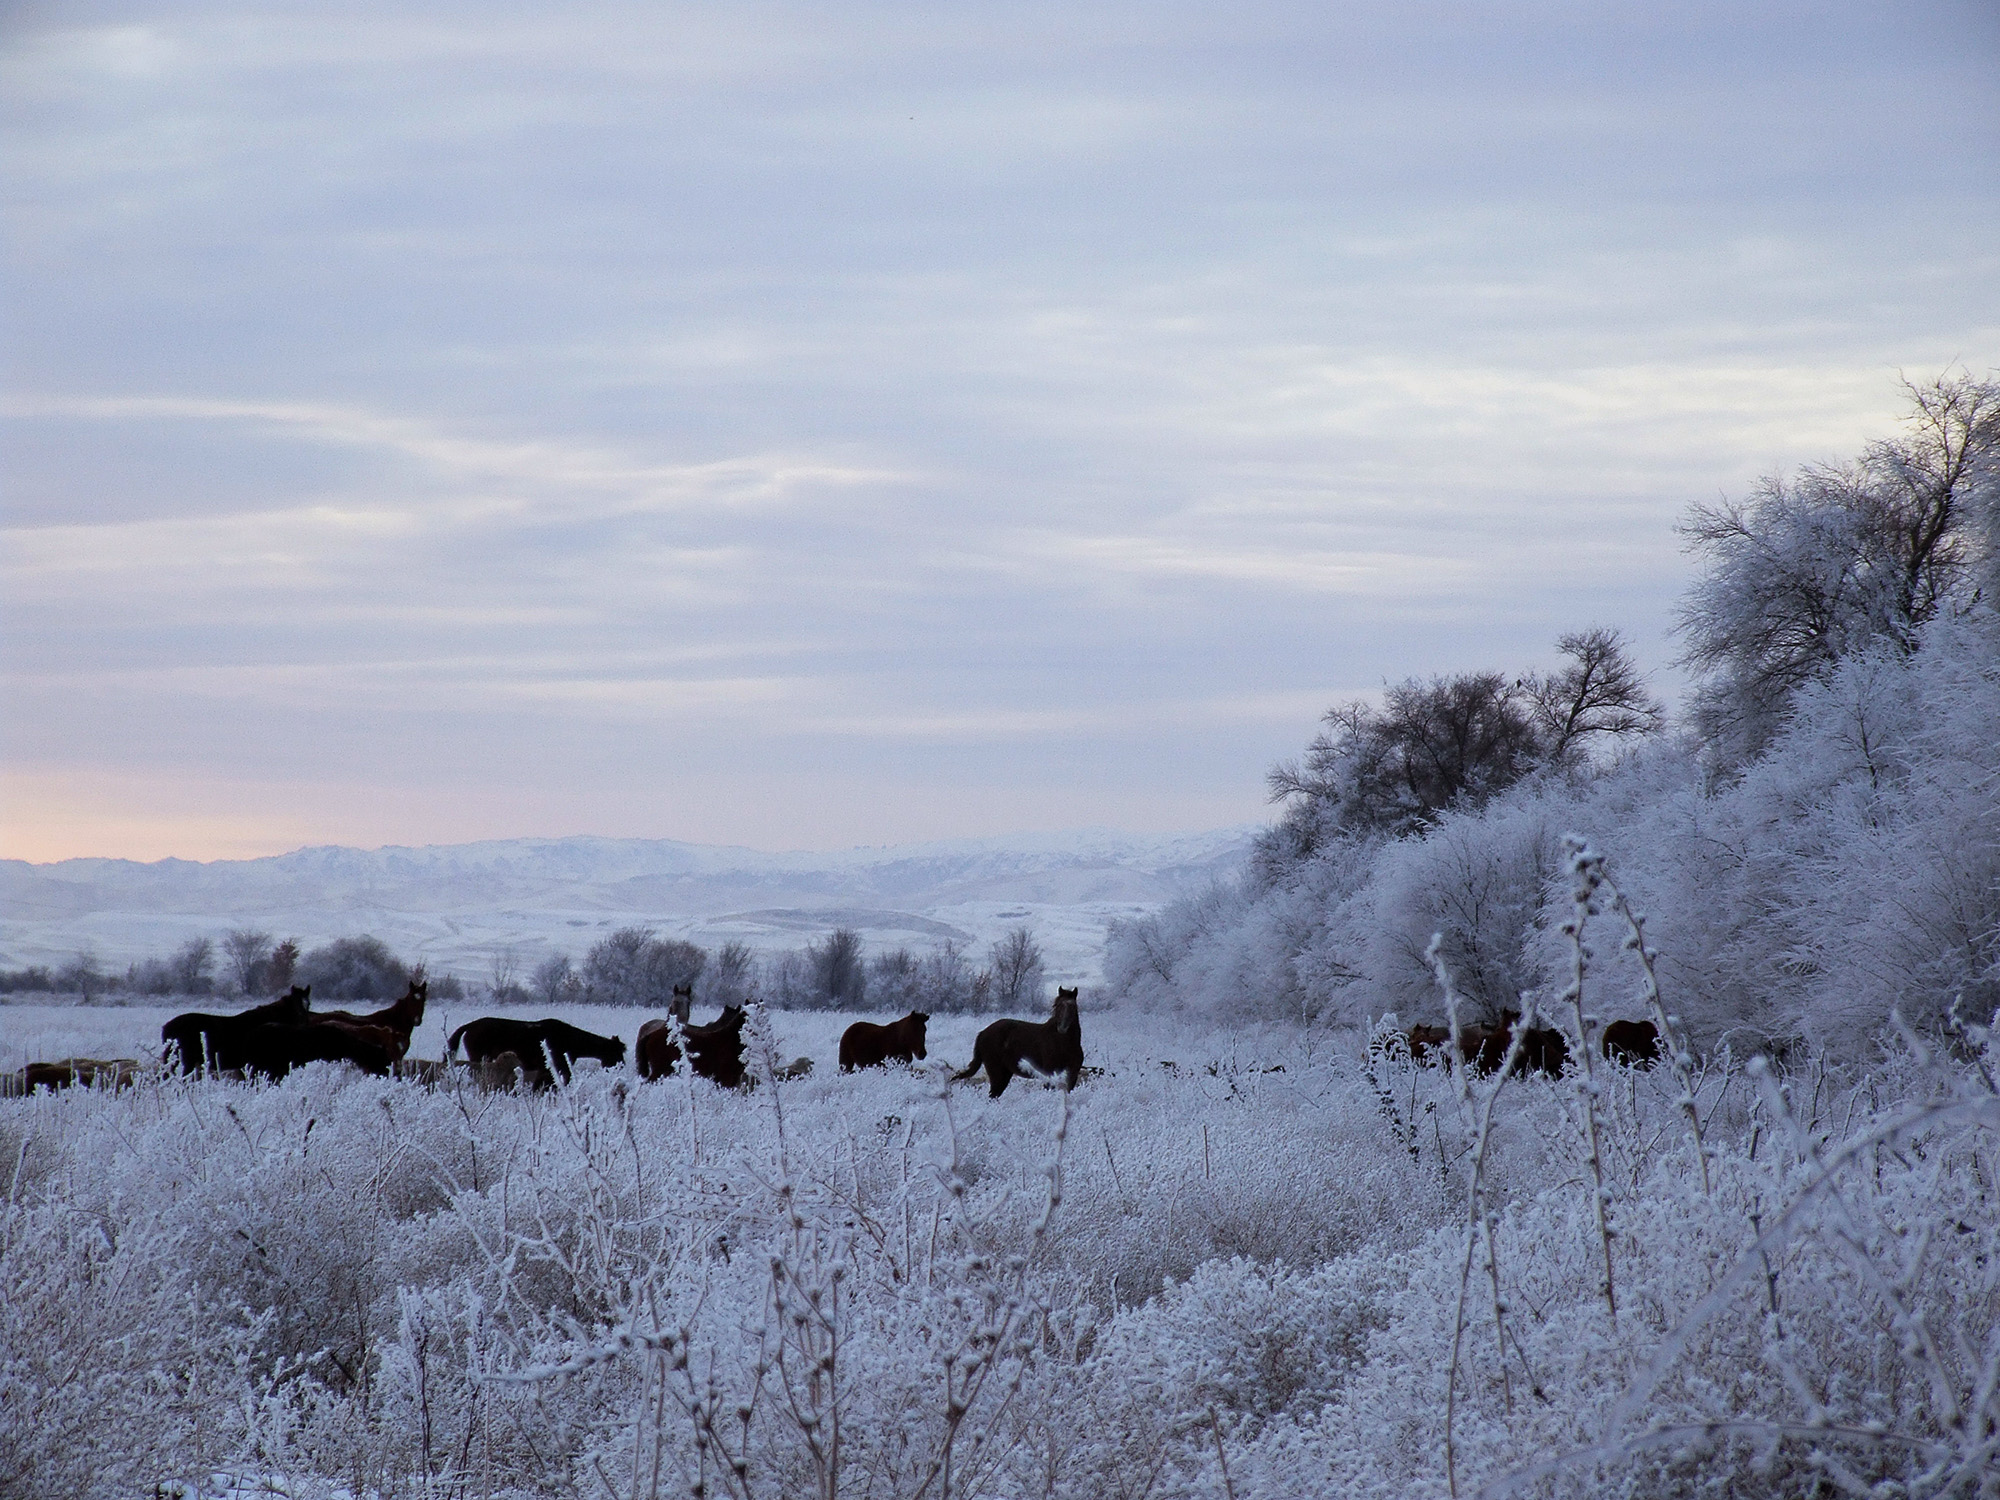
81,975
353,968
248,954
283,967
840,978
193,966
1837,559
1453,742
1015,962
731,975
948,983
555,981
634,967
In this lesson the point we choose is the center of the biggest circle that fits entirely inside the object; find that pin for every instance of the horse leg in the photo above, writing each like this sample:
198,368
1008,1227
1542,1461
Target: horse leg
998,1076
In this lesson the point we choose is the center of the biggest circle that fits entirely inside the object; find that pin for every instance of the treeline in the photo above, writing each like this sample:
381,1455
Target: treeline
634,966
1816,842
247,964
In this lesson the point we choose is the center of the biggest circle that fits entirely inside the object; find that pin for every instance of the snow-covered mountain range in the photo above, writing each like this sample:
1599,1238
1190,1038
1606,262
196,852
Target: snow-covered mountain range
461,906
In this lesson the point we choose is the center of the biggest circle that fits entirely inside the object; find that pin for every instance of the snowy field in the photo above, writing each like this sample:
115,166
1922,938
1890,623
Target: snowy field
1236,1262
459,908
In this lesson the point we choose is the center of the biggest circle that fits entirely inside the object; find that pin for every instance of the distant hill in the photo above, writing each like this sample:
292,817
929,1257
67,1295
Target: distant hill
458,906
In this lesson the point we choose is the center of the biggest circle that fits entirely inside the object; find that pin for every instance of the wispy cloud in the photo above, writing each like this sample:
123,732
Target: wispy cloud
789,424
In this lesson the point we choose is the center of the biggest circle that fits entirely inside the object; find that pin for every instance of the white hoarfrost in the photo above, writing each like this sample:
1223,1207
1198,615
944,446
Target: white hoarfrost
1235,1262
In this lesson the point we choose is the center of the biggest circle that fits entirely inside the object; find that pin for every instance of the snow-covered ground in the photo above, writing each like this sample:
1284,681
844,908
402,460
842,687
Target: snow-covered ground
1237,1262
457,907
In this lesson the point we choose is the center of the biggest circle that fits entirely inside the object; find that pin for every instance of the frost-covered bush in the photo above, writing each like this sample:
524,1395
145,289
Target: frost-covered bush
1852,872
353,968
1236,1246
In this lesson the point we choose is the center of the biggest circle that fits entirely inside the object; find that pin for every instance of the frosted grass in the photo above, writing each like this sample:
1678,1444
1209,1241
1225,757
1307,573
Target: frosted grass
351,1286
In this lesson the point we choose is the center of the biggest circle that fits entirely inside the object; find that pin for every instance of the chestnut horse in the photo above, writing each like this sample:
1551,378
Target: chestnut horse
400,1019
714,1050
1007,1047
867,1045
197,1035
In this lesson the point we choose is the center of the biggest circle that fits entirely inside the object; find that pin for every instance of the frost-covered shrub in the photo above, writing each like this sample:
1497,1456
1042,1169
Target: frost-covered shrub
1852,872
1236,1245
353,968
117,1365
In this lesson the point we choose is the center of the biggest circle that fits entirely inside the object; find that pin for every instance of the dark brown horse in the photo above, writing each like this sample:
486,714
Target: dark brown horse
867,1045
400,1019
1544,1049
505,1070
73,1072
1009,1047
714,1050
272,1051
1427,1040
1636,1044
490,1036
566,1043
195,1034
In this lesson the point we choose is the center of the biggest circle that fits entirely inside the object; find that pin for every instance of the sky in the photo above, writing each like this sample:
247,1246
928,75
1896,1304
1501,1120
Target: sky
804,426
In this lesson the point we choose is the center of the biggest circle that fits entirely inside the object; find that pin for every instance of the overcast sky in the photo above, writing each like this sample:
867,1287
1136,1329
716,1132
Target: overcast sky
812,425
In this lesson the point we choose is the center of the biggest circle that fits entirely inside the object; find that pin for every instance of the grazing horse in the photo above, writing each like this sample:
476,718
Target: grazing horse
1543,1048
566,1043
714,1050
867,1045
272,1051
400,1019
196,1035
490,1036
1005,1048
505,1070
72,1072
1636,1044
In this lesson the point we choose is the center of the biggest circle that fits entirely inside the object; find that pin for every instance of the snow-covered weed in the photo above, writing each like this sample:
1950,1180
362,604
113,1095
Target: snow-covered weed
1197,1275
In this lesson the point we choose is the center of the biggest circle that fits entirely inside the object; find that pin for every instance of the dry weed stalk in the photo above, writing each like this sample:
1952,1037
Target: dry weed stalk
1587,874
1476,1108
1672,1035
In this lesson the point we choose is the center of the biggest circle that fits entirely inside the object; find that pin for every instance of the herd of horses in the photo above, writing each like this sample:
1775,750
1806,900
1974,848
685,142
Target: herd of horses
268,1041
1544,1049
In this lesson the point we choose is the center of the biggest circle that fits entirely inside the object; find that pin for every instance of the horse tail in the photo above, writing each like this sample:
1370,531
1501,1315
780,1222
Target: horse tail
451,1042
970,1068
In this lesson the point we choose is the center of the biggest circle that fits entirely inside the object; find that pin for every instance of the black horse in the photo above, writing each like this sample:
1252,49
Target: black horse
272,1051
867,1045
198,1036
1006,1048
1635,1044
